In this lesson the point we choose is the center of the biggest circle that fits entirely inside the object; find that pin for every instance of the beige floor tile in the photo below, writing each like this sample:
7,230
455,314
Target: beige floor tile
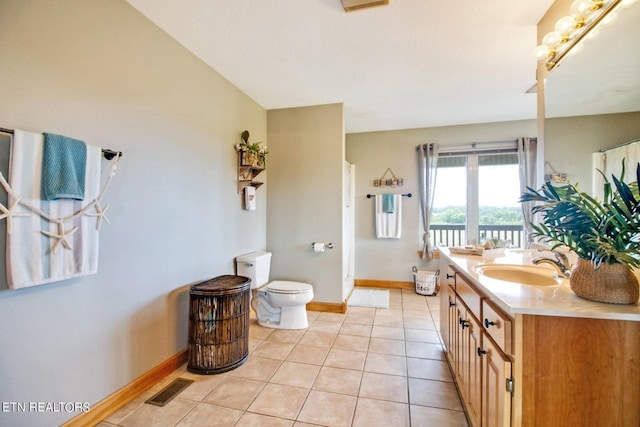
325,327
426,416
317,339
428,369
345,359
384,387
328,409
273,350
387,346
375,413
386,364
337,380
312,315
417,314
236,393
332,317
296,374
257,368
424,350
202,385
124,411
150,415
393,319
438,394
420,335
287,336
278,400
308,354
360,315
353,343
419,324
356,329
258,420
214,415
259,332
387,332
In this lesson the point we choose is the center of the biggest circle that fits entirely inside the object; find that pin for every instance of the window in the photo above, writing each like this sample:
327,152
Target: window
476,199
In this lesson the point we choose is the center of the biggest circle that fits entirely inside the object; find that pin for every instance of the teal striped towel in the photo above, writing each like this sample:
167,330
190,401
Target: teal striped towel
64,167
388,205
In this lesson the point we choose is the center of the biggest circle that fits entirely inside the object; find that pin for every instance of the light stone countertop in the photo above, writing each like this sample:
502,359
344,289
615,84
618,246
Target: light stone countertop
515,298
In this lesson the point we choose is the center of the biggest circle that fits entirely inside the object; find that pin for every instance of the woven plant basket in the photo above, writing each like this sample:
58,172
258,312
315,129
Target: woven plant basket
611,283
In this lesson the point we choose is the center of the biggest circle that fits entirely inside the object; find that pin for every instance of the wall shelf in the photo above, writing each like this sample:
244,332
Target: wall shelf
247,174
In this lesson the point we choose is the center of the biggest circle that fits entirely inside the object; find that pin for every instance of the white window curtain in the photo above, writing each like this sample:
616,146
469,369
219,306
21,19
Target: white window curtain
527,161
427,170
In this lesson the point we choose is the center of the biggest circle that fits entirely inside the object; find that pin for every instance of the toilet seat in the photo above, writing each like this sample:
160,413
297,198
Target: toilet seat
288,287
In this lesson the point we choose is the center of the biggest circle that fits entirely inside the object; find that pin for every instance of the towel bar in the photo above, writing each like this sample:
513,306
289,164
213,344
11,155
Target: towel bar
107,153
373,195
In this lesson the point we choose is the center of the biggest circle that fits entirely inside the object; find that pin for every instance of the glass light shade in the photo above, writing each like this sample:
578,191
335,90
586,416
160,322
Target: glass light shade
542,52
566,25
552,39
581,8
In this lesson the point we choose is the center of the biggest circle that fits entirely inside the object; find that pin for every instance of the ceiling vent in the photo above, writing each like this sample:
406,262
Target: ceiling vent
350,5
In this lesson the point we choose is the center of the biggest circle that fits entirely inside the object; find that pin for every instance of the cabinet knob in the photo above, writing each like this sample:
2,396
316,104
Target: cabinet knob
450,276
481,352
464,323
452,304
488,323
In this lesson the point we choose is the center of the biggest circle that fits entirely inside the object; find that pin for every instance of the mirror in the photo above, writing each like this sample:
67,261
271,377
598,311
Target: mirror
592,99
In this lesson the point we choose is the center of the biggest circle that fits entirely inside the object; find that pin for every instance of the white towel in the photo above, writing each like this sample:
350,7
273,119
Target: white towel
389,225
250,198
30,258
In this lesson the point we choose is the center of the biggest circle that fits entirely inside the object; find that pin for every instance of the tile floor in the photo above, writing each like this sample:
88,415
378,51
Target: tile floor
369,367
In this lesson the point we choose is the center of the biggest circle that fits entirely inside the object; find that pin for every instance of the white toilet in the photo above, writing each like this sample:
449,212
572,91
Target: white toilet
279,304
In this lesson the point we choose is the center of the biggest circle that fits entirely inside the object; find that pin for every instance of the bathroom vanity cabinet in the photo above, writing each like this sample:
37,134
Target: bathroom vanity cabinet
522,356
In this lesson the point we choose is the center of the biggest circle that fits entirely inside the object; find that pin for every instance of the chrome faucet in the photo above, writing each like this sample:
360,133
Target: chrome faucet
561,263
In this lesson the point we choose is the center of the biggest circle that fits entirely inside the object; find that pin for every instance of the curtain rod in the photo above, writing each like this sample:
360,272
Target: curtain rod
470,146
107,153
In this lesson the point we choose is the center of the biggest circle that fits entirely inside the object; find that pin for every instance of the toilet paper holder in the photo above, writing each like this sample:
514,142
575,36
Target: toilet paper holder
327,245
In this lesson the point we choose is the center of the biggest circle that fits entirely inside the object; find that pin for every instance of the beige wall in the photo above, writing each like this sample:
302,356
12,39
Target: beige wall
99,71
570,141
373,153
306,146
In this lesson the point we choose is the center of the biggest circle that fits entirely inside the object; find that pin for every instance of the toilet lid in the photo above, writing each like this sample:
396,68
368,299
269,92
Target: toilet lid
286,287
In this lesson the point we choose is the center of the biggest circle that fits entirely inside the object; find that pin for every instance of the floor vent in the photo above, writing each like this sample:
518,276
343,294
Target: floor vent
169,392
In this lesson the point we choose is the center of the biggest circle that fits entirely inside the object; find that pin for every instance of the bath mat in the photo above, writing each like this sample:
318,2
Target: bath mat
364,297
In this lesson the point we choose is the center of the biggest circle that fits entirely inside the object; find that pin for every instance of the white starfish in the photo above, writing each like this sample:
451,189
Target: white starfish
61,237
10,213
101,213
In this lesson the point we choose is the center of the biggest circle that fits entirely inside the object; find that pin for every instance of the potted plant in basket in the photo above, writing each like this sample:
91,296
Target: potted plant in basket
605,235
252,153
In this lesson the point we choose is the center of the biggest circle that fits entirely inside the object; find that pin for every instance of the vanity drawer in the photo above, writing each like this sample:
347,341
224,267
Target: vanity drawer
498,326
468,295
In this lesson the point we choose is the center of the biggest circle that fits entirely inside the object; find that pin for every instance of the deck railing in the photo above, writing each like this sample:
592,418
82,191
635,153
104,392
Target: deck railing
456,235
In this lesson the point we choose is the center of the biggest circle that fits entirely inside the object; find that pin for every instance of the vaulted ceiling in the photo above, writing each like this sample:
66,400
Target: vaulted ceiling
408,64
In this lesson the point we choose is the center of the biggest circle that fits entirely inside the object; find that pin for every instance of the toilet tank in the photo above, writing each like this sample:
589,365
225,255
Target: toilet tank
256,266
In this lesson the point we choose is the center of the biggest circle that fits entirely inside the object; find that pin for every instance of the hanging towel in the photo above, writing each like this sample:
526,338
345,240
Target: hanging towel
388,225
30,257
387,203
250,198
64,165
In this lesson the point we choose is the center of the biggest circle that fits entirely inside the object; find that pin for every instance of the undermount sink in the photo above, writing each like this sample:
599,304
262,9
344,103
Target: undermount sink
523,274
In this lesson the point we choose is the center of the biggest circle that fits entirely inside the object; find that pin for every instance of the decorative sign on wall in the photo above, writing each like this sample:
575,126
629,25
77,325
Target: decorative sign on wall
390,181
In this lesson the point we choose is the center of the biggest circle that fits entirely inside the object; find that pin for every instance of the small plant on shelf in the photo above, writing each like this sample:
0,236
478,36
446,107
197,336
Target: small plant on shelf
252,153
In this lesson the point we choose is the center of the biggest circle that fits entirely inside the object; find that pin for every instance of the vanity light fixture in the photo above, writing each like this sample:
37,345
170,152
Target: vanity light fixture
584,17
